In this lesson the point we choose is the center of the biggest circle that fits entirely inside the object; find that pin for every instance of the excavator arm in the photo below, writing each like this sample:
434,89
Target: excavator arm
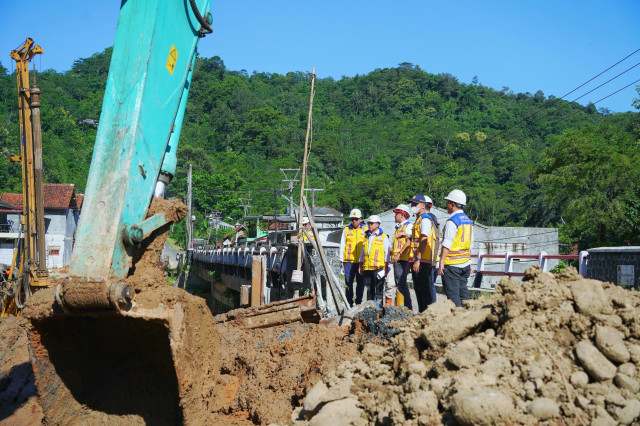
146,93
109,344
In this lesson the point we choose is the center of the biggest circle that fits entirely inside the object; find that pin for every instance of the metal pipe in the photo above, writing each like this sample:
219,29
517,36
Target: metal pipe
38,179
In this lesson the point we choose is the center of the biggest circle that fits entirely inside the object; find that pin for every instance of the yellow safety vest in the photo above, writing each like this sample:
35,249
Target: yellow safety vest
427,255
374,258
398,242
460,251
353,239
311,234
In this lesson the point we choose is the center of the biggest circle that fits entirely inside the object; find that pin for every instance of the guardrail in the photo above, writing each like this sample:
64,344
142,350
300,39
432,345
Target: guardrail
237,261
542,258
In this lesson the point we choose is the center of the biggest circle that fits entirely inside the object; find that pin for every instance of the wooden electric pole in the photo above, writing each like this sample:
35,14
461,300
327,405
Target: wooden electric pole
304,171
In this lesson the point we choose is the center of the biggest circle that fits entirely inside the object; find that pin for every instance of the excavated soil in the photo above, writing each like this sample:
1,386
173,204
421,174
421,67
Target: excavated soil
263,375
146,273
157,362
267,372
154,362
18,399
559,349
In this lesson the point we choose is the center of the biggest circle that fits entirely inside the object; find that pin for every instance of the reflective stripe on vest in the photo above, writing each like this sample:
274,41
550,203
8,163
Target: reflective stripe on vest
375,258
353,243
398,243
460,251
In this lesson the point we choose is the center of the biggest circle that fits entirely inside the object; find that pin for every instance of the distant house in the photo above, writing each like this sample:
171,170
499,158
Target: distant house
328,220
61,212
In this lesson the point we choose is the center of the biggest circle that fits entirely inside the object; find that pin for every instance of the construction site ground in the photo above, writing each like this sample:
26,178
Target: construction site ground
553,349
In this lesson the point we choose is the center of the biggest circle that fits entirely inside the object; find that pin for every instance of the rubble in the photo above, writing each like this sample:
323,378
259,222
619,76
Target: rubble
553,348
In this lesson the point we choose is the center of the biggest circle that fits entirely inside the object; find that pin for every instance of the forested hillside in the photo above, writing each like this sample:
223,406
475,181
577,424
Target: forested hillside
522,159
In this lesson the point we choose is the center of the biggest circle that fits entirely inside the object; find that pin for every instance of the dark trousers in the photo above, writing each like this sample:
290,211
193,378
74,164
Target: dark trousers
454,282
375,285
434,275
351,272
423,285
400,272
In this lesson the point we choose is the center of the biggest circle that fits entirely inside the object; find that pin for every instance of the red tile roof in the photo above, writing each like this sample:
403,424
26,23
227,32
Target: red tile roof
13,199
79,200
56,196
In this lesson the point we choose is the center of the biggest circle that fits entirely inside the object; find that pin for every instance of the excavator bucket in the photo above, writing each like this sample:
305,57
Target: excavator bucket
155,363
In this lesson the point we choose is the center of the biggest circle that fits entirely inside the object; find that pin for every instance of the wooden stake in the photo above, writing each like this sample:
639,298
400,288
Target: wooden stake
331,279
304,170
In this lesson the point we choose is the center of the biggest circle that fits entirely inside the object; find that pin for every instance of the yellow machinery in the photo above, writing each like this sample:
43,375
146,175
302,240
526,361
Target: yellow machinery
28,270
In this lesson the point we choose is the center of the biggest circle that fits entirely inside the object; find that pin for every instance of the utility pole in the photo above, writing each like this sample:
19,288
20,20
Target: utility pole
275,214
291,181
313,195
304,169
214,223
245,203
189,222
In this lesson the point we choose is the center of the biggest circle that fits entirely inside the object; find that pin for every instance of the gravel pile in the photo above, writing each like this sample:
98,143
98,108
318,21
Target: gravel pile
550,349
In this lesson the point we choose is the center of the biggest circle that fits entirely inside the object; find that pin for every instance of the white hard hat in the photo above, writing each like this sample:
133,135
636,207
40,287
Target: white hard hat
457,197
305,220
355,214
373,218
402,207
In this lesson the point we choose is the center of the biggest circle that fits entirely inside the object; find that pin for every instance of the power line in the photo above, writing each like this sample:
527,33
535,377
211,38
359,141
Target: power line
593,78
601,99
606,82
556,100
619,90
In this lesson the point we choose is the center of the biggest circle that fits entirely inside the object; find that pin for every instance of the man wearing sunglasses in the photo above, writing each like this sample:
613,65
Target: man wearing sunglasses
350,249
455,258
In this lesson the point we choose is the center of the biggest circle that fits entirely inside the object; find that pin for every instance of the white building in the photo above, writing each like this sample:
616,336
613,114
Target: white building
61,212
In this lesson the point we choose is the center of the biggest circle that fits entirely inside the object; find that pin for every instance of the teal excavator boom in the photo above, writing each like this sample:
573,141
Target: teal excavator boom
106,346
145,97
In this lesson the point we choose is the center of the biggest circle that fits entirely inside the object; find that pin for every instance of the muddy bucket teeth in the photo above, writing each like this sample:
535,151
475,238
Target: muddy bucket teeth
153,363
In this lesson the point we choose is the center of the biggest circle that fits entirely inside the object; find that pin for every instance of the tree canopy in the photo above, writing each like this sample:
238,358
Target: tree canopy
522,158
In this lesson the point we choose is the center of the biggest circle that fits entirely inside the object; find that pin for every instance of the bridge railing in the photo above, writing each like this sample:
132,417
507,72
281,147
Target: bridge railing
507,259
238,260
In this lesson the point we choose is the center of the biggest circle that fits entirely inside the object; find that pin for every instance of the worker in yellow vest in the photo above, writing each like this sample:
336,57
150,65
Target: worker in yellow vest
374,259
350,250
455,258
306,224
424,236
400,249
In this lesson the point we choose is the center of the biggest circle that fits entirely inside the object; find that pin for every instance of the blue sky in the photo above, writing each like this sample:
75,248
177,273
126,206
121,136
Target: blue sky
553,46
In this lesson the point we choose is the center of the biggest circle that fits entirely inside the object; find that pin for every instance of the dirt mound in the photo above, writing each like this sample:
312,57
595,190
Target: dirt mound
146,273
560,348
18,398
267,372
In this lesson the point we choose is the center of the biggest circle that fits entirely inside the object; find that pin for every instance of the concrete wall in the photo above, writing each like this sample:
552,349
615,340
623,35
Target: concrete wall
6,251
60,226
56,226
6,244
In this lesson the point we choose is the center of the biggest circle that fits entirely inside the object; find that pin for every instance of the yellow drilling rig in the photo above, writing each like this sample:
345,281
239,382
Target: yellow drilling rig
28,270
